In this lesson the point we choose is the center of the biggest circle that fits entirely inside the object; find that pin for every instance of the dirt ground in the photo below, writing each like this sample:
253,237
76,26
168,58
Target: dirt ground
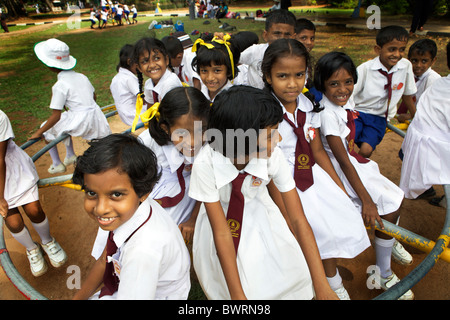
75,231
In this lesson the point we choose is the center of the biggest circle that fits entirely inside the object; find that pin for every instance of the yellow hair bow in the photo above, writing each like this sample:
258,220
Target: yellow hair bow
139,104
201,42
305,90
227,44
151,112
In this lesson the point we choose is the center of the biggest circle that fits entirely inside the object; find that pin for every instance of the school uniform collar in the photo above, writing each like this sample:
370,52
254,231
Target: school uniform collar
158,87
225,171
174,157
376,65
63,73
341,111
205,90
303,104
424,75
122,233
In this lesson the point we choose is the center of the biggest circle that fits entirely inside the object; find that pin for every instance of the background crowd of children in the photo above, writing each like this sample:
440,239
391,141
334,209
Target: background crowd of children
116,13
295,203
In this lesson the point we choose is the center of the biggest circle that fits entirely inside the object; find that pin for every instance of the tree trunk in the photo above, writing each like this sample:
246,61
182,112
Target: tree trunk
16,8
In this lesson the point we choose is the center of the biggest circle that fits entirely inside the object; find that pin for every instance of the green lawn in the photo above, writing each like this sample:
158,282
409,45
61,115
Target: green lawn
26,83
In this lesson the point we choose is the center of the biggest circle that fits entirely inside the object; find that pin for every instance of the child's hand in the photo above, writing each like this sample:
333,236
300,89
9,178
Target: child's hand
35,136
3,208
370,215
187,230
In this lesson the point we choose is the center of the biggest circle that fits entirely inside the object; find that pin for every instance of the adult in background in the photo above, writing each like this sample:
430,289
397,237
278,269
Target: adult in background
422,9
191,4
3,20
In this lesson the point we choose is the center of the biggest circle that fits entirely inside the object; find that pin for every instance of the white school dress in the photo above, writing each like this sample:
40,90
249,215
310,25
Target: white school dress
426,146
154,263
124,89
336,222
384,193
21,177
270,262
168,81
84,117
169,160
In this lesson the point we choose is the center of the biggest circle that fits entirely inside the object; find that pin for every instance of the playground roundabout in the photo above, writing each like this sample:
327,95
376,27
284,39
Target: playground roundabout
71,226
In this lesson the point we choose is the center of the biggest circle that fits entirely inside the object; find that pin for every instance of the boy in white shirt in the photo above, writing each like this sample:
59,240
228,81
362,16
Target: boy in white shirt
422,55
279,24
382,82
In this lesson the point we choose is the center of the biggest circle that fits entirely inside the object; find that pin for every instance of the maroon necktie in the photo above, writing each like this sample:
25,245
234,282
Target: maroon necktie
387,87
110,279
351,137
180,74
168,202
304,159
236,209
155,97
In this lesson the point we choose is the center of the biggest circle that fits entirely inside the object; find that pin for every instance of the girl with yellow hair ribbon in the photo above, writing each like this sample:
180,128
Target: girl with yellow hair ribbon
215,62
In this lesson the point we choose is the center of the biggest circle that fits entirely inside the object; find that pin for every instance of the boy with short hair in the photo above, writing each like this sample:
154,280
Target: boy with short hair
422,55
382,82
305,32
176,53
279,24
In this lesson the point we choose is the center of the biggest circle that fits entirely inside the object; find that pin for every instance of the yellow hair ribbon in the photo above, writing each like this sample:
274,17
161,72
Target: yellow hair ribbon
151,112
201,42
139,104
305,90
227,44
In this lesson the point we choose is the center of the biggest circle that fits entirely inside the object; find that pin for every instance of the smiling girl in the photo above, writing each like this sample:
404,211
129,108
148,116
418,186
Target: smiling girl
216,63
145,256
175,135
373,194
338,228
153,61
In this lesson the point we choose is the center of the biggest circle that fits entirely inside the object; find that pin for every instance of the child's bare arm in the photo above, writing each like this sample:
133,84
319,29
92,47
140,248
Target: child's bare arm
93,280
51,121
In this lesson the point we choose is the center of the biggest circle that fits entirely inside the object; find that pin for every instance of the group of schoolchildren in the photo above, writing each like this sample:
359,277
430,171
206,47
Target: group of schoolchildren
248,154
117,13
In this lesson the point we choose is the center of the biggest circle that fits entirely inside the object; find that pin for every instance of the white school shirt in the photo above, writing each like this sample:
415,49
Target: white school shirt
124,89
92,16
169,159
119,11
253,56
168,81
104,15
425,81
205,91
369,94
154,262
20,177
426,146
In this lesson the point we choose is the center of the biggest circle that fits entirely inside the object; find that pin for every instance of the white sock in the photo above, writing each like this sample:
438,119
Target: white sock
335,282
69,148
43,229
24,238
383,251
55,156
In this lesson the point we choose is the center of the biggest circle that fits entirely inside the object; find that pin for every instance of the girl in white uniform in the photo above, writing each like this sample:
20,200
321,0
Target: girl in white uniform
215,62
125,86
18,188
152,61
427,142
371,192
74,92
243,247
145,256
337,224
175,135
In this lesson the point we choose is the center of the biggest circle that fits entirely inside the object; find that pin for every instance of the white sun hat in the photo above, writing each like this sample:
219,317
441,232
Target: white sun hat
55,53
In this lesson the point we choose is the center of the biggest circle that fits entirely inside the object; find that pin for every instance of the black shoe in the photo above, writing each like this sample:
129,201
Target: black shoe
427,194
437,201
